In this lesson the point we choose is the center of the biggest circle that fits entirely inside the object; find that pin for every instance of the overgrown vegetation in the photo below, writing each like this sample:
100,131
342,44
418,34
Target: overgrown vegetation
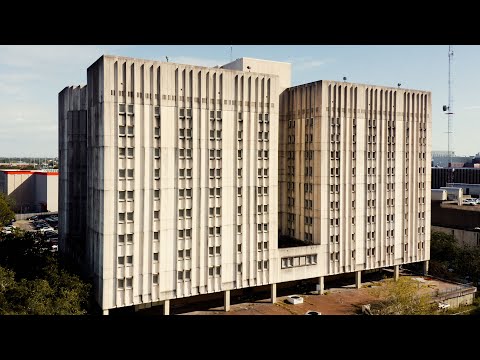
6,212
32,282
450,260
401,297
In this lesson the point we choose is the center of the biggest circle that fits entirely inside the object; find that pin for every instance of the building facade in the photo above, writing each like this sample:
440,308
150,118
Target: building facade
72,187
32,190
355,173
185,163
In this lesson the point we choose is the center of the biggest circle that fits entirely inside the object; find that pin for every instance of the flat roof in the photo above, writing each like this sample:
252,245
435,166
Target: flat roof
28,172
218,67
341,82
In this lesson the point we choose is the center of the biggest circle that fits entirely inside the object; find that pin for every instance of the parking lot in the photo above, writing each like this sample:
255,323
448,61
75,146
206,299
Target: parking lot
46,225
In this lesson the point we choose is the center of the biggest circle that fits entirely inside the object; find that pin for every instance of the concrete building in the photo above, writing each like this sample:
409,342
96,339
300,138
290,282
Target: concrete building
32,190
184,168
442,176
355,175
72,146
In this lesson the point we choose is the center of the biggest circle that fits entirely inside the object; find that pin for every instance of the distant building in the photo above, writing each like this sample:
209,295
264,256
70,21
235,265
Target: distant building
33,191
461,221
442,176
441,159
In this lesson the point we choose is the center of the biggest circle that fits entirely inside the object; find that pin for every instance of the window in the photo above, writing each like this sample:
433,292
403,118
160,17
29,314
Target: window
130,152
130,173
155,235
218,250
121,152
217,270
130,259
121,173
210,271
129,282
121,217
239,247
121,283
180,275
156,214
155,256
121,260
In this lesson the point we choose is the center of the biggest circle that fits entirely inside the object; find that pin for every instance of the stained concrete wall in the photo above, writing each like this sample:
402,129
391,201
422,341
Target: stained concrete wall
463,237
72,190
354,172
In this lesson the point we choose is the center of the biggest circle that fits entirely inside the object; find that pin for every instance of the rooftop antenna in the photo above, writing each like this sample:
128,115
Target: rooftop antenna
166,57
248,67
344,78
399,84
231,52
448,109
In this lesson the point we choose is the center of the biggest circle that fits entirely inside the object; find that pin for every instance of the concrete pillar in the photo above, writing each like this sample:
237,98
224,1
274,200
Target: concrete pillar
166,307
358,279
226,297
274,293
396,272
425,267
321,285
105,312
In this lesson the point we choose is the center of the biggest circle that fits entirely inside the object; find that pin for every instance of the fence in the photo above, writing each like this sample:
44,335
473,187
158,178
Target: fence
26,216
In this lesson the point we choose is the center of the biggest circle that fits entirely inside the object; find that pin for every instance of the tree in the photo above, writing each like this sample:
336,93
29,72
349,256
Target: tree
6,213
443,247
402,297
32,282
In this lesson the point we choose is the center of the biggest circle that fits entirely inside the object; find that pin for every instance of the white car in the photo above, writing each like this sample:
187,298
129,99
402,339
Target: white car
42,230
470,202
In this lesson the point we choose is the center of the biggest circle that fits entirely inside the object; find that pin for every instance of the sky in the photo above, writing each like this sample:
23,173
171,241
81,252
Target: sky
32,76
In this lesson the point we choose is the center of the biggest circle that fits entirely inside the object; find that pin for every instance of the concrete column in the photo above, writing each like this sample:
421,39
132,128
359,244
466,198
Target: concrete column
358,279
396,272
226,297
321,285
166,307
425,267
274,293
105,312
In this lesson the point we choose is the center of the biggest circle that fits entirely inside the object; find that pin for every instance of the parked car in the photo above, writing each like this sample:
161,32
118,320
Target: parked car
470,202
50,234
34,217
45,229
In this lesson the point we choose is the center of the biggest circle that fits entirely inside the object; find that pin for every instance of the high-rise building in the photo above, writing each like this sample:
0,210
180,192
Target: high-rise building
184,167
355,173
72,187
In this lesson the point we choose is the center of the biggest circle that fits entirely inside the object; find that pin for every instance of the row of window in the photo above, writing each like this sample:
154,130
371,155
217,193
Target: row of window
295,261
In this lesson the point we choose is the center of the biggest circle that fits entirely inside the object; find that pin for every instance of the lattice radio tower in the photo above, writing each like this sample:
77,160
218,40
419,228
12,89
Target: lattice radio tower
449,108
